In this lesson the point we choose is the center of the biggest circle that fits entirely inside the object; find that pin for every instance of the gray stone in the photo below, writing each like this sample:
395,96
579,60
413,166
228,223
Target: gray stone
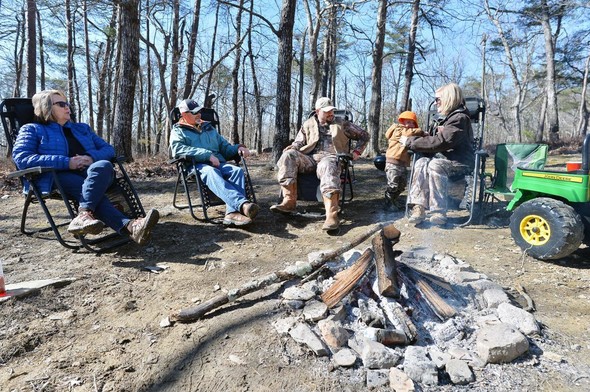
333,333
439,358
377,356
494,297
338,313
293,304
418,367
298,293
483,284
345,357
465,355
315,310
284,325
312,286
459,372
466,276
488,319
302,334
500,343
377,378
399,381
520,318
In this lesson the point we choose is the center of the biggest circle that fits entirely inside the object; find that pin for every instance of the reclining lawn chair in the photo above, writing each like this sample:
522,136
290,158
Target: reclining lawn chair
15,112
308,184
190,178
464,191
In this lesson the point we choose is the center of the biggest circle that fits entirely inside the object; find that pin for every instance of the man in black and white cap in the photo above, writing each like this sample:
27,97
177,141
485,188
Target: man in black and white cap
192,137
315,150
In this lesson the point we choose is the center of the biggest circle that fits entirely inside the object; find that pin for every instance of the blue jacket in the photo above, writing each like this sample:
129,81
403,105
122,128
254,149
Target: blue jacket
45,145
187,141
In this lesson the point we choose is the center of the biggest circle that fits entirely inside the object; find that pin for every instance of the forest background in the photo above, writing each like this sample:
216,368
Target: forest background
261,63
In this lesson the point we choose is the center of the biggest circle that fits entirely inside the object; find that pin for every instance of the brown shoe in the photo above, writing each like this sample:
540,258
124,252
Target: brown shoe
438,218
141,228
250,209
417,215
236,219
85,223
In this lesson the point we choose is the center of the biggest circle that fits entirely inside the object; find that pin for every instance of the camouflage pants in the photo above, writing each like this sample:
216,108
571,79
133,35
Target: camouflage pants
326,167
397,176
430,182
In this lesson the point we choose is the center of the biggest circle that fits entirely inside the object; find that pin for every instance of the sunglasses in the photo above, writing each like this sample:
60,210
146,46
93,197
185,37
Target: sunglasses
62,104
437,99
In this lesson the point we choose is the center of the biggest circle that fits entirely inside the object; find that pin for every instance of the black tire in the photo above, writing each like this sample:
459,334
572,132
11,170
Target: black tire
547,229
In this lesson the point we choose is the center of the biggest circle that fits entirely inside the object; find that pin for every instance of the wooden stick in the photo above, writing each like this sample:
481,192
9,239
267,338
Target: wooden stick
196,312
440,307
386,265
347,279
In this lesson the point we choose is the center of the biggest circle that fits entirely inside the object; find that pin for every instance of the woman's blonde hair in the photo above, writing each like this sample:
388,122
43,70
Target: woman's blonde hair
451,98
43,105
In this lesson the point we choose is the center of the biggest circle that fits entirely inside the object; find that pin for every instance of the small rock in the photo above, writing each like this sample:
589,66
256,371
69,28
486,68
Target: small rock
459,372
333,333
520,318
298,293
494,297
377,356
304,335
315,310
284,325
165,322
418,367
399,381
500,343
345,357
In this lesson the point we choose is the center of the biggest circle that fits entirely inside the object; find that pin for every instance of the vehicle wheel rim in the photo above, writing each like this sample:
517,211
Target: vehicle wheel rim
535,230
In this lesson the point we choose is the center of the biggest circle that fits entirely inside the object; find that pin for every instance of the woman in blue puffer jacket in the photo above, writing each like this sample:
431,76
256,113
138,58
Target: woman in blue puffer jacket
82,163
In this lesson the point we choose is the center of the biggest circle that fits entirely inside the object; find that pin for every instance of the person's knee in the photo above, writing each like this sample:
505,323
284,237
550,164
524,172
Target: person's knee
102,167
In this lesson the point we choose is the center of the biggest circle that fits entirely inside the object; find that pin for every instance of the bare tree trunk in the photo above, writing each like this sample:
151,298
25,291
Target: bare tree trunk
375,105
258,104
88,66
175,47
149,88
328,51
409,73
70,52
552,110
300,109
235,75
285,58
129,65
212,58
583,116
103,77
315,61
192,45
19,49
41,53
541,122
31,48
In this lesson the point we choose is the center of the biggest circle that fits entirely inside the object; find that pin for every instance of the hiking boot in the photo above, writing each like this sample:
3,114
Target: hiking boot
331,203
438,218
85,223
417,214
250,209
289,203
236,219
141,228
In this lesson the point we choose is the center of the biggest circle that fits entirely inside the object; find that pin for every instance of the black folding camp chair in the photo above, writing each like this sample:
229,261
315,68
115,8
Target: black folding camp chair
470,186
190,180
15,112
308,184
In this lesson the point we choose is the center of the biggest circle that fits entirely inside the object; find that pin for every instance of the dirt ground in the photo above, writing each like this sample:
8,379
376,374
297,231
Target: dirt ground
102,332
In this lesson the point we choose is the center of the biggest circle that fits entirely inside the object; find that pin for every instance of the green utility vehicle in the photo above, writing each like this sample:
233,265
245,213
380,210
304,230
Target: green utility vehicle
551,209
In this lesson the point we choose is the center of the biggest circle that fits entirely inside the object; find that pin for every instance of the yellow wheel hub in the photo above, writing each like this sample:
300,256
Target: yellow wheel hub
535,230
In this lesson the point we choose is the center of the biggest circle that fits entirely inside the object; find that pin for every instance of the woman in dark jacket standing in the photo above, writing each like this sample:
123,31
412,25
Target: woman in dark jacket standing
449,153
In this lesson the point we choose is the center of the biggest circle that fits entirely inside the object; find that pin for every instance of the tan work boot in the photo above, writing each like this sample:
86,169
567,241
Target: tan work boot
417,215
332,205
289,203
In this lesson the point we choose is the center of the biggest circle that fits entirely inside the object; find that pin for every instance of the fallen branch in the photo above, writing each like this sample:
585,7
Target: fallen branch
529,301
292,272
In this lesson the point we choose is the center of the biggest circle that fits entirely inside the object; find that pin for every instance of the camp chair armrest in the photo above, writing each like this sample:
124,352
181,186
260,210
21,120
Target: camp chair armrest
29,172
345,157
482,153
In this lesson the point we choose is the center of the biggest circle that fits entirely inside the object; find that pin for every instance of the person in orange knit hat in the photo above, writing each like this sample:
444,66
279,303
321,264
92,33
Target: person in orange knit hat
397,156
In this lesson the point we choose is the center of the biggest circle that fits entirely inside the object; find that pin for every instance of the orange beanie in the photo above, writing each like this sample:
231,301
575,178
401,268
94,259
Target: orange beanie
408,116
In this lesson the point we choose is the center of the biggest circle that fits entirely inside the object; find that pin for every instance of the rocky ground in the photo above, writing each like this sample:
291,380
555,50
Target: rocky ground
103,332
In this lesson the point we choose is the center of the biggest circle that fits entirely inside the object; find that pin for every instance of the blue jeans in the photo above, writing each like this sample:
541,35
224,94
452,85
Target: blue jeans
227,182
89,187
